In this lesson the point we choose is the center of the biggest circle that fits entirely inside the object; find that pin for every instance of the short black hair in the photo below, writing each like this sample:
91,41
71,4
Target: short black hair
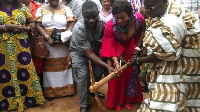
89,5
122,6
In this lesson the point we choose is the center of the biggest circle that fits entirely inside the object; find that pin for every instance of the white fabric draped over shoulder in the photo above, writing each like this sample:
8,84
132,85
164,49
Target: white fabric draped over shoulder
170,44
176,25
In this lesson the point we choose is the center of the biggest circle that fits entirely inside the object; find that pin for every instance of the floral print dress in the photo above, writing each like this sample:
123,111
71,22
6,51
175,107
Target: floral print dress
19,83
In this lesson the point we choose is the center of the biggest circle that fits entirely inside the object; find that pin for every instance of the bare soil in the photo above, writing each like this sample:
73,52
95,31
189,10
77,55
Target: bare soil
71,104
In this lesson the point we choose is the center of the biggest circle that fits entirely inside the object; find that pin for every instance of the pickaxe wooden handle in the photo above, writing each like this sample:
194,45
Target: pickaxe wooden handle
94,87
92,81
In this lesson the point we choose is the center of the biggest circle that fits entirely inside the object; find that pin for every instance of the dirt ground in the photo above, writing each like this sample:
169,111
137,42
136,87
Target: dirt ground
70,104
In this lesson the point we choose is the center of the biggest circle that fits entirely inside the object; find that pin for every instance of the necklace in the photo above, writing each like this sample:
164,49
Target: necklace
123,30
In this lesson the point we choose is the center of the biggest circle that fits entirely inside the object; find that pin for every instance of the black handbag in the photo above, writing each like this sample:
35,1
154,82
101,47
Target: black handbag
56,35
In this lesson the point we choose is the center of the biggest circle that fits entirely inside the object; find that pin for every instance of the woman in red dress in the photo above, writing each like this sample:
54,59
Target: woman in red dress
123,33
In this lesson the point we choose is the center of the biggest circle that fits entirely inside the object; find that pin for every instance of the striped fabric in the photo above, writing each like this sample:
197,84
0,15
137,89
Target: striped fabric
59,91
57,64
174,82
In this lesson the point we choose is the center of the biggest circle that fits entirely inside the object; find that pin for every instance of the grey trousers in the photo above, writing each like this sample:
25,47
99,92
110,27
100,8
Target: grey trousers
98,71
83,79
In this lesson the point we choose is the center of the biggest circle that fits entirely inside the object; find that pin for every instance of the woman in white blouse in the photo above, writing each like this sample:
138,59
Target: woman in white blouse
106,12
57,76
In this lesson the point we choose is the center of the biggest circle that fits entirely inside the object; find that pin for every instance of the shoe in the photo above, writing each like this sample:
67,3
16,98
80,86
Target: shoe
118,108
84,109
50,98
100,95
128,106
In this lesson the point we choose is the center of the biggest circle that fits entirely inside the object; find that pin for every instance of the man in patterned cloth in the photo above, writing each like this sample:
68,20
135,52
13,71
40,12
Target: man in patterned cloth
173,49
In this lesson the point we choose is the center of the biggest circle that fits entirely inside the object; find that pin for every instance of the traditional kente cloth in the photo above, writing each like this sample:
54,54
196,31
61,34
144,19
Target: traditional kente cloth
19,83
174,83
58,79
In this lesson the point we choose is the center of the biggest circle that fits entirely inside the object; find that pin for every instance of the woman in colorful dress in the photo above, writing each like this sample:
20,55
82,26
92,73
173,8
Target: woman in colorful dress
57,76
33,6
122,34
19,83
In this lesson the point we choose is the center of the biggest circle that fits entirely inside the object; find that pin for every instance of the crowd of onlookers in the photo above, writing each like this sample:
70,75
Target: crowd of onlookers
159,41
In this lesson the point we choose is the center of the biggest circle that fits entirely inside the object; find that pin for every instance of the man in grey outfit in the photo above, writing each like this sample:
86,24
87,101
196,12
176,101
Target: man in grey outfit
85,45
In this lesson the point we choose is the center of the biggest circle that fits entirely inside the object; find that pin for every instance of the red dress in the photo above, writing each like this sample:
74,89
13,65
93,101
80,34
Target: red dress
113,47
